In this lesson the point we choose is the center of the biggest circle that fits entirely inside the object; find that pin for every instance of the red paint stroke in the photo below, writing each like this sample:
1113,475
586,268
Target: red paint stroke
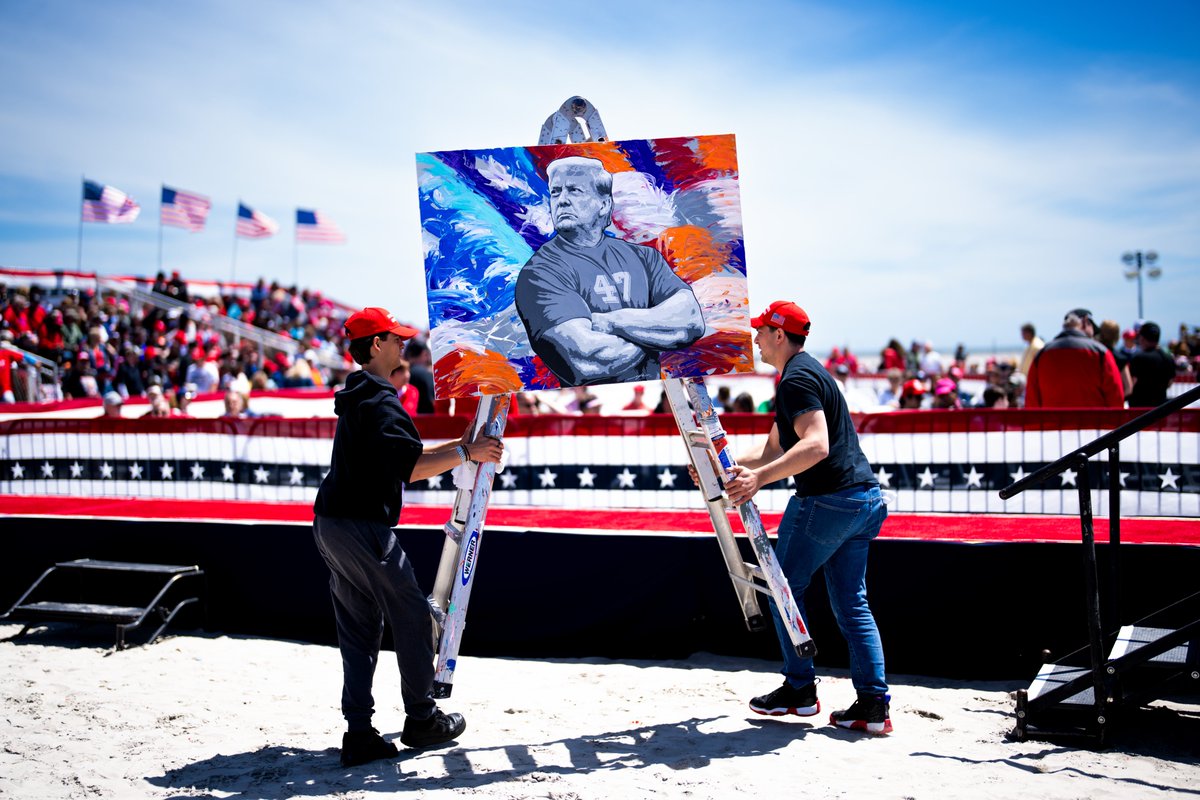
543,378
719,353
688,161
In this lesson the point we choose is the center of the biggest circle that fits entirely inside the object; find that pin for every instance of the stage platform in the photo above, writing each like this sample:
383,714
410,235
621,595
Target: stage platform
964,596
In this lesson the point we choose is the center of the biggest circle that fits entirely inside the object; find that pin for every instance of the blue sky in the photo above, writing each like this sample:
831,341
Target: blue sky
918,170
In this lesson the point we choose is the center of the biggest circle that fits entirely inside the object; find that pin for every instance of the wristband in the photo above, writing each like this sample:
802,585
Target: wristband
463,455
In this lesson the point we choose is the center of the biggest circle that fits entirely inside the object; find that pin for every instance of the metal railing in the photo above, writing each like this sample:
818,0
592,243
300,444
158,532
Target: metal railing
35,379
1078,460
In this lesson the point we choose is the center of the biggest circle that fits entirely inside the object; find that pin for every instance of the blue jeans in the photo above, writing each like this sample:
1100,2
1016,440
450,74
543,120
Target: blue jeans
833,531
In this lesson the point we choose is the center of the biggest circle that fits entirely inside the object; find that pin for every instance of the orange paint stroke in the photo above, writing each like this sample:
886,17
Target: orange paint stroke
718,152
463,373
692,251
607,153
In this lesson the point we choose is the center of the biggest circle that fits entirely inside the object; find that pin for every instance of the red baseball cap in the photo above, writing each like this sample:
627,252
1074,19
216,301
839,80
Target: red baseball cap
783,314
374,321
914,387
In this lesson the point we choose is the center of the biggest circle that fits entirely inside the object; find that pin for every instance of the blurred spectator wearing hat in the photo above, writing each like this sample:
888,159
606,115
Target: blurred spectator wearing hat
912,395
1151,369
945,394
112,405
638,402
203,372
80,378
1074,370
183,400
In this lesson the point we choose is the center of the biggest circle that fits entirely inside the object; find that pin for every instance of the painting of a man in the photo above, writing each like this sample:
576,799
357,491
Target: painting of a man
596,308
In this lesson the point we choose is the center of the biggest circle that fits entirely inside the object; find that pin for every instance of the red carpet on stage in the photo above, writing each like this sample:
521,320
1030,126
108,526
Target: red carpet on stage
983,528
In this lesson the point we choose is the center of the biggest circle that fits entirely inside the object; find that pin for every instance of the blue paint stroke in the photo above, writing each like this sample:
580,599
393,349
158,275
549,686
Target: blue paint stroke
512,201
473,255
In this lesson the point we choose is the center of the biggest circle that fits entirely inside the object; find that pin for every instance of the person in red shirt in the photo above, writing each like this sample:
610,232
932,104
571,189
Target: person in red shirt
1074,370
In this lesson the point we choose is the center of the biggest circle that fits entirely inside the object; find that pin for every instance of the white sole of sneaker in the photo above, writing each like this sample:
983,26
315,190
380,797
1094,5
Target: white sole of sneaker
874,728
801,711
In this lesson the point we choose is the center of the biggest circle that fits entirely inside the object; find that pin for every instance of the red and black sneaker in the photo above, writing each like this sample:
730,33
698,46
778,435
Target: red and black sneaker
788,700
870,713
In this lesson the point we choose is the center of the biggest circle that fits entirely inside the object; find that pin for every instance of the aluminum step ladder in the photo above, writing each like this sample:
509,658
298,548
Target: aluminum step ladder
707,446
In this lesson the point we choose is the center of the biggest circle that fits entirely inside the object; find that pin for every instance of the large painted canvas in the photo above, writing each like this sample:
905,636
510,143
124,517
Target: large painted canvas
583,264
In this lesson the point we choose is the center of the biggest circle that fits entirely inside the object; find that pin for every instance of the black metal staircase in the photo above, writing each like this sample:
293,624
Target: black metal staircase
1081,694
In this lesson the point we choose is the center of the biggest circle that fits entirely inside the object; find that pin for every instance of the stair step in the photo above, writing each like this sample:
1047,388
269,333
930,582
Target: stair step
1132,638
1051,676
94,612
126,566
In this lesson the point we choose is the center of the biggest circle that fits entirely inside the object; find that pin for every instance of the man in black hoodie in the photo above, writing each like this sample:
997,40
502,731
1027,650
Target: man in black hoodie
376,450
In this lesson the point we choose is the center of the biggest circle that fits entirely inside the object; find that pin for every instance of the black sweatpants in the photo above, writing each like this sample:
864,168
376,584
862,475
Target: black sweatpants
372,580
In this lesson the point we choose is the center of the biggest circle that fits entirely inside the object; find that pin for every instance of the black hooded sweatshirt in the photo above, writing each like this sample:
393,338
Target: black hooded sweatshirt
375,449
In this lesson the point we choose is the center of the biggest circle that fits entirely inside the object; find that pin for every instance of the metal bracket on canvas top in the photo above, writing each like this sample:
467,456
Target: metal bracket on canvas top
576,120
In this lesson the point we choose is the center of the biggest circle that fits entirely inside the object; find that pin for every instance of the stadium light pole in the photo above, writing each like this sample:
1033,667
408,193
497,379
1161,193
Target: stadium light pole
1139,261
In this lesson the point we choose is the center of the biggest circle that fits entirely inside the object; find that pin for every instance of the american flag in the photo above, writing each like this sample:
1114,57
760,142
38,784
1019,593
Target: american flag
254,224
105,204
184,209
313,226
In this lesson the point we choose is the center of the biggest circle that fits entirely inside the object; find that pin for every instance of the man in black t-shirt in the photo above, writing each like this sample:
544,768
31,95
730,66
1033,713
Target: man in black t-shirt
1152,369
829,524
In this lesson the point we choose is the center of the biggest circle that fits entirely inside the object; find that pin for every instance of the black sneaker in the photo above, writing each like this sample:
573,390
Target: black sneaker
359,747
438,729
870,713
802,702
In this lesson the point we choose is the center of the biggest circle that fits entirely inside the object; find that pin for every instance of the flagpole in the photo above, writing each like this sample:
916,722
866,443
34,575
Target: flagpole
295,256
79,250
160,227
233,267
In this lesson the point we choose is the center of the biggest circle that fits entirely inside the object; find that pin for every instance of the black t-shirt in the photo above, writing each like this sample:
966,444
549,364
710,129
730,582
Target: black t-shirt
1152,372
808,386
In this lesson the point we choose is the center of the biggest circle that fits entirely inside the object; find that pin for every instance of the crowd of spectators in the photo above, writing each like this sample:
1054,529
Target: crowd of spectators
105,343
110,347
920,377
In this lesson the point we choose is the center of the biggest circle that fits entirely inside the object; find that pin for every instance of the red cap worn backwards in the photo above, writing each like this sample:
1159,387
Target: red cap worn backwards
783,314
374,321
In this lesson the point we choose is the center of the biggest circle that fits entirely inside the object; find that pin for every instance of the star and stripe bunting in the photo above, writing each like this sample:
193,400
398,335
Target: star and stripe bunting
313,226
582,462
253,224
1170,489
107,204
182,209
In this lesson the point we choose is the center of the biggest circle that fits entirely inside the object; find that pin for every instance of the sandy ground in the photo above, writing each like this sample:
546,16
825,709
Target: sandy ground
212,716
